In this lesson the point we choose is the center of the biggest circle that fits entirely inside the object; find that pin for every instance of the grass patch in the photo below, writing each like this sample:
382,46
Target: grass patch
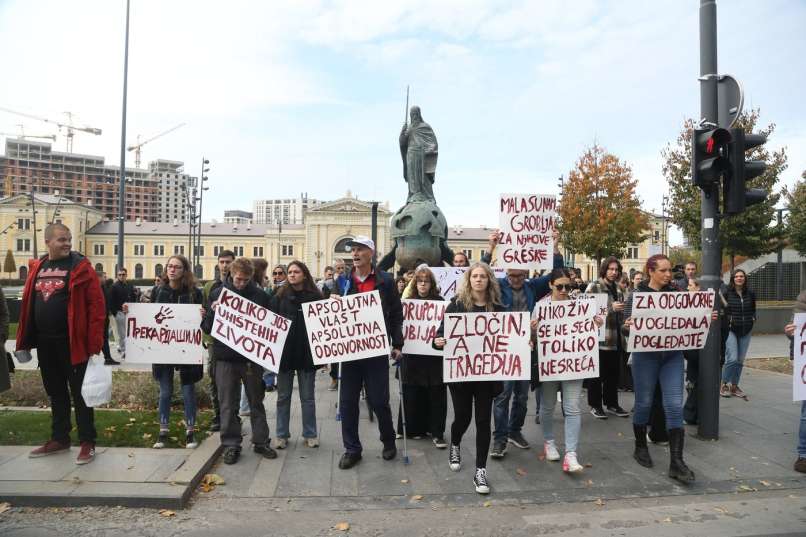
12,330
116,428
778,365
131,390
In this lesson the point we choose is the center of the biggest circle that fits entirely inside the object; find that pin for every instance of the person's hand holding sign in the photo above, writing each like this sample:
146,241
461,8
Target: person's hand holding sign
618,306
396,355
439,342
598,320
789,330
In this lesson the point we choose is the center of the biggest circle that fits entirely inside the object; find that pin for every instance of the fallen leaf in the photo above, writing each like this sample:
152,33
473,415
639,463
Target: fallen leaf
213,479
588,465
404,481
667,519
520,471
167,512
621,434
600,502
146,436
204,487
417,497
589,483
765,483
5,506
175,439
342,526
721,510
488,503
745,488
130,467
132,420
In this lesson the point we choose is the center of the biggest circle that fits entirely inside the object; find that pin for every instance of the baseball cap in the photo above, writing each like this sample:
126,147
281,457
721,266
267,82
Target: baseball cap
361,240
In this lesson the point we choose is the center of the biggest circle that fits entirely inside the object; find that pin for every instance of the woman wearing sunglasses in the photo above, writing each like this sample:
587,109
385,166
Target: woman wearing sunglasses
561,284
666,367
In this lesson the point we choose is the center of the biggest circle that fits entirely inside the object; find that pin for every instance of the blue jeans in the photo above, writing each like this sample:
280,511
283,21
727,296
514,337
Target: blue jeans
166,380
802,431
305,385
648,368
507,423
735,351
572,390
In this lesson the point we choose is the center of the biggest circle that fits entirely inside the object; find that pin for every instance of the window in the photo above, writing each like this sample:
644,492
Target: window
217,250
23,245
198,250
469,254
140,249
482,253
179,249
288,249
98,249
238,251
138,271
657,235
158,269
115,249
159,250
632,252
257,251
23,224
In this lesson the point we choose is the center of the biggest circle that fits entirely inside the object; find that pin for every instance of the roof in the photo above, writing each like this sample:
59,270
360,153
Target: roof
48,199
209,229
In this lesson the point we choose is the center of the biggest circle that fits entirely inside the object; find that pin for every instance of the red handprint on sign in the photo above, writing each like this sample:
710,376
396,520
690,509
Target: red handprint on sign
163,315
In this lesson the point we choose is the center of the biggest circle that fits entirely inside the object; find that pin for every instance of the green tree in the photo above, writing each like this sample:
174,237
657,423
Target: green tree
796,223
750,233
600,212
9,265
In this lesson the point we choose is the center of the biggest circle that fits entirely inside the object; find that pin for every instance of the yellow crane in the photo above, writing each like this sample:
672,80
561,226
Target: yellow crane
68,125
136,147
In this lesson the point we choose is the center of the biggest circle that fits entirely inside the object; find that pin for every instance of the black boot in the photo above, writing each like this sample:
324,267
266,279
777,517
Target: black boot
677,468
641,454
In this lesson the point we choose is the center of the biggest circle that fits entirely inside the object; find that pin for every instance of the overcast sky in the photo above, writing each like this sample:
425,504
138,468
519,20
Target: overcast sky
309,96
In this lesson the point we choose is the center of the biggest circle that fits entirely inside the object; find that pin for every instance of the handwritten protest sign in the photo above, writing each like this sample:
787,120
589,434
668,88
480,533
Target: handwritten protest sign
670,321
799,367
486,346
345,329
567,339
601,309
164,334
250,330
526,223
421,319
448,278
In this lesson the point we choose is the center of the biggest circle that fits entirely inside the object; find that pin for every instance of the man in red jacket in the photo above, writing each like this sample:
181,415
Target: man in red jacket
62,316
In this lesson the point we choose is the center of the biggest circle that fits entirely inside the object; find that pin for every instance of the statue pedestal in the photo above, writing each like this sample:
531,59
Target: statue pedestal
419,228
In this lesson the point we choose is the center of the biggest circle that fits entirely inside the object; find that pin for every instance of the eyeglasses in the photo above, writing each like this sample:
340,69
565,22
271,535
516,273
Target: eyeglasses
121,273
278,273
176,267
563,286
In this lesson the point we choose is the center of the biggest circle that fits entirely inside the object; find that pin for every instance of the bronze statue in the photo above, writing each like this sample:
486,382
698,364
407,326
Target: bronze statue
419,151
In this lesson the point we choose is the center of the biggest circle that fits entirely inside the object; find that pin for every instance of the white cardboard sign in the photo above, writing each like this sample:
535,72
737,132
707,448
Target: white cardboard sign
486,346
343,329
526,223
250,330
421,319
164,334
601,309
799,366
670,321
567,339
448,278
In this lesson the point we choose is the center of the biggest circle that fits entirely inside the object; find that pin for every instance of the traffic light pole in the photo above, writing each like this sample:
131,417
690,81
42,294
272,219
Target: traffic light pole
709,369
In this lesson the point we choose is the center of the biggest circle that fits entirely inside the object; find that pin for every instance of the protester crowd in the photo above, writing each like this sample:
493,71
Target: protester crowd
67,311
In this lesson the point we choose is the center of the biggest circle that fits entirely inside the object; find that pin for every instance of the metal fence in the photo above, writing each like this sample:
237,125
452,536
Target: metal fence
764,281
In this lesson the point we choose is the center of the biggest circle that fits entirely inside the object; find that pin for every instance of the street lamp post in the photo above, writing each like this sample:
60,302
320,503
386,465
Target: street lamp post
122,191
202,188
779,267
664,208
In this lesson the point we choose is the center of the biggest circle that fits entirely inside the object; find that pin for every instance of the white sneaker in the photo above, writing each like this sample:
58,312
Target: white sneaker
570,463
454,458
550,451
480,481
312,442
281,443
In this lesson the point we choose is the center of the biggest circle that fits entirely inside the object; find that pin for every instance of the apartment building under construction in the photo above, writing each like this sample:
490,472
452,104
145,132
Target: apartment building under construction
154,194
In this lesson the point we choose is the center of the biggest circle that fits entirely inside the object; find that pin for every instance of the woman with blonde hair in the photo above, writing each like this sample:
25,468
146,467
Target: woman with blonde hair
478,292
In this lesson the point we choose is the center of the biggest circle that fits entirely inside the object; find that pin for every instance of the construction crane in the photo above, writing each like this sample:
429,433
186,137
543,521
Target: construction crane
136,147
23,136
68,125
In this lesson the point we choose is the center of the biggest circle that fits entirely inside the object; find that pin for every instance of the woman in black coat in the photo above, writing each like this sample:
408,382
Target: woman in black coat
287,301
424,393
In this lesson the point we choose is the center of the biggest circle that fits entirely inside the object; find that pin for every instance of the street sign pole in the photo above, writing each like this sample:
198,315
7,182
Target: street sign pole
708,382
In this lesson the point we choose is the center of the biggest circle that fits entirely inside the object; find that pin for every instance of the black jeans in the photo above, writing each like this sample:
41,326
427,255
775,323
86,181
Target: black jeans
334,371
657,418
466,397
63,380
608,379
426,410
106,351
374,373
211,363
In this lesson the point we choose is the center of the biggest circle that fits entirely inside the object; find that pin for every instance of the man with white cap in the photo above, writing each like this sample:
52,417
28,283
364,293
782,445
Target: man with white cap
370,372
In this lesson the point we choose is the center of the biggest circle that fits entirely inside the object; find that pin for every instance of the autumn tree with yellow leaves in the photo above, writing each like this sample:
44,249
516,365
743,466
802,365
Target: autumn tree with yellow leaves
599,210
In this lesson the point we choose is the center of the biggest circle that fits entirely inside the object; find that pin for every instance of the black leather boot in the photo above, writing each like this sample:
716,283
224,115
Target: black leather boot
677,468
641,454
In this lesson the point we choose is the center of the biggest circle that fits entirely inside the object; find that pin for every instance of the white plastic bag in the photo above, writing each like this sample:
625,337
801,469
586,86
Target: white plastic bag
97,386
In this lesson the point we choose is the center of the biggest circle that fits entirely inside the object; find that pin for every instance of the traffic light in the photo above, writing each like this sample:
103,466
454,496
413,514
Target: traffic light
736,196
709,156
